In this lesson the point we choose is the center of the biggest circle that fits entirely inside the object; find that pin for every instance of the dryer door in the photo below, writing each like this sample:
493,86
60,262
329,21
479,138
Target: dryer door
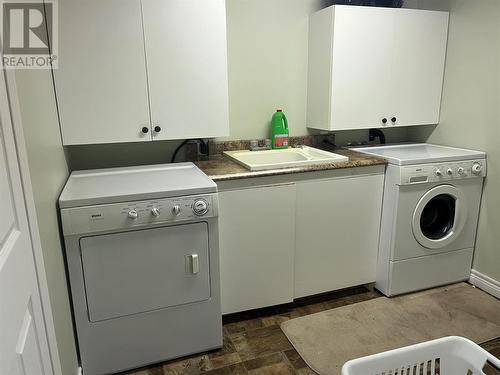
144,270
439,216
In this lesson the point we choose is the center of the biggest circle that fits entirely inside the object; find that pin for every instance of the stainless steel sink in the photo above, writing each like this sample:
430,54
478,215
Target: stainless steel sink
290,157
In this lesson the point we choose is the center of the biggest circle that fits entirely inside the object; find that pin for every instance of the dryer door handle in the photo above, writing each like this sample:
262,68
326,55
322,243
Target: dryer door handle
194,264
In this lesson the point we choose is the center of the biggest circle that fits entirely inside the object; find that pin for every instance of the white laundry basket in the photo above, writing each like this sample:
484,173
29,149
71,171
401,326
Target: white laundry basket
451,355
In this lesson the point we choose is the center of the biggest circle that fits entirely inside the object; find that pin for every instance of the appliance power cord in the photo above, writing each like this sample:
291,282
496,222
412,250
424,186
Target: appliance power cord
203,147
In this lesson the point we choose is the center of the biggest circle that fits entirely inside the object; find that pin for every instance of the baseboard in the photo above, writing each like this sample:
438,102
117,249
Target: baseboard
486,283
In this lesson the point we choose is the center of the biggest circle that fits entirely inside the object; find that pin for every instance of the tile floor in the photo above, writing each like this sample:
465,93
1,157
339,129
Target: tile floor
255,345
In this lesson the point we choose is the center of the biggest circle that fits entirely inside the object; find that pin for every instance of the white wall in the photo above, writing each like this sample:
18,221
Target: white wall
470,113
48,172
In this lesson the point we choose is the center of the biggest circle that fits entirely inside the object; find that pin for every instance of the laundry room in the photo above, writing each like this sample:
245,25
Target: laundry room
250,187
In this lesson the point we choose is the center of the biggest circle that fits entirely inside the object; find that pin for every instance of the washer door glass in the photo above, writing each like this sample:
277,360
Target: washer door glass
439,216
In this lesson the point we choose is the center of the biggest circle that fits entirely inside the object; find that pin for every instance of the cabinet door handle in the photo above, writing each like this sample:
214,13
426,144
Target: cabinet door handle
384,120
157,129
145,129
194,264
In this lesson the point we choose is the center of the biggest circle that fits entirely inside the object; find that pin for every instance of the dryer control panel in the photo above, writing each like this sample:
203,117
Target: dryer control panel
125,215
438,172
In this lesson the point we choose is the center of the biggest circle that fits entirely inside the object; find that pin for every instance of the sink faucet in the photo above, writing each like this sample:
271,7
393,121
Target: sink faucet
254,145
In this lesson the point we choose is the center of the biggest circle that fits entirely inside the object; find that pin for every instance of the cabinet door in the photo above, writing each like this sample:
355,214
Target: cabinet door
362,59
187,67
256,247
101,82
337,231
419,55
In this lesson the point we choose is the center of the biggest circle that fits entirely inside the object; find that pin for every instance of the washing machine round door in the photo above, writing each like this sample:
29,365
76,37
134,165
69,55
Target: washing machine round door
439,216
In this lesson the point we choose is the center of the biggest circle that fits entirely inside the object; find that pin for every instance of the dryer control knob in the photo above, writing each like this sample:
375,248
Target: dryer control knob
176,210
155,212
477,168
449,171
438,172
200,207
460,171
133,214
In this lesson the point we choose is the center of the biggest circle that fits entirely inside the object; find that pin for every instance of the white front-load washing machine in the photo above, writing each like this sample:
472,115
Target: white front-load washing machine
430,211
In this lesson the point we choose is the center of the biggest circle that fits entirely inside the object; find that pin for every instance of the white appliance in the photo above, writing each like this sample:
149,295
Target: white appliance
143,264
430,211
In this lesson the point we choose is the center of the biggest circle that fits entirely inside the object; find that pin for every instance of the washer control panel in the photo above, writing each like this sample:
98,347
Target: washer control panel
438,172
129,214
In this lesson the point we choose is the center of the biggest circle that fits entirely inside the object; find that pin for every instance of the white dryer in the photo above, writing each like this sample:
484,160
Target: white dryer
430,212
142,251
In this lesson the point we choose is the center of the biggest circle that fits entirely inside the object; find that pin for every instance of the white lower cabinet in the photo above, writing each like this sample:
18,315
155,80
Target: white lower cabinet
257,234
337,232
312,234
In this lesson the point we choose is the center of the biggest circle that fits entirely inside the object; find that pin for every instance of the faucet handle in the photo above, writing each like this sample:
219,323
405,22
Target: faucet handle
254,144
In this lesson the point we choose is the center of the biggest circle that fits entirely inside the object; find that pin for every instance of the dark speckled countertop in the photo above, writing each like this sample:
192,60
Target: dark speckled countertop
221,168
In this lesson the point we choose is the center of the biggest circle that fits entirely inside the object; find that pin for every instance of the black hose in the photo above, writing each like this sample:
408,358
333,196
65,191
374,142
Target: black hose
376,133
203,148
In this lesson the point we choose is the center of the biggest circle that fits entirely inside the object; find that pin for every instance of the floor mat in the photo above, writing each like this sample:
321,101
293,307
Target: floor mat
328,339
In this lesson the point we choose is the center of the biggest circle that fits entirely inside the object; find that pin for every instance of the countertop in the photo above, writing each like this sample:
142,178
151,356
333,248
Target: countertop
221,168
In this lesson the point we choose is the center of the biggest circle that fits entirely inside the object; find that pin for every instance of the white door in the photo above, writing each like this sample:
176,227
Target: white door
417,76
23,340
362,62
163,277
186,53
101,80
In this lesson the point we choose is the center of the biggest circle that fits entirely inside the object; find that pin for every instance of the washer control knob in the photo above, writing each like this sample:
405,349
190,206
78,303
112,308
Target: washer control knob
200,207
477,168
460,171
449,171
176,210
132,214
438,172
155,212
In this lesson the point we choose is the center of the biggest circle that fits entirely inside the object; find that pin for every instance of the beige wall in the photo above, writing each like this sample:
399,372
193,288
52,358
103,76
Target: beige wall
267,58
121,154
48,171
470,113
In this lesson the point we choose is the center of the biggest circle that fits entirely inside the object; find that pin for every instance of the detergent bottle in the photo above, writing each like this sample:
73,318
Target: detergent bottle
279,130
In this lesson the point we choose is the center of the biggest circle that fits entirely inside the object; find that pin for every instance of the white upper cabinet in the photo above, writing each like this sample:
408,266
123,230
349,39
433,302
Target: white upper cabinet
132,70
101,81
186,54
419,57
375,67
